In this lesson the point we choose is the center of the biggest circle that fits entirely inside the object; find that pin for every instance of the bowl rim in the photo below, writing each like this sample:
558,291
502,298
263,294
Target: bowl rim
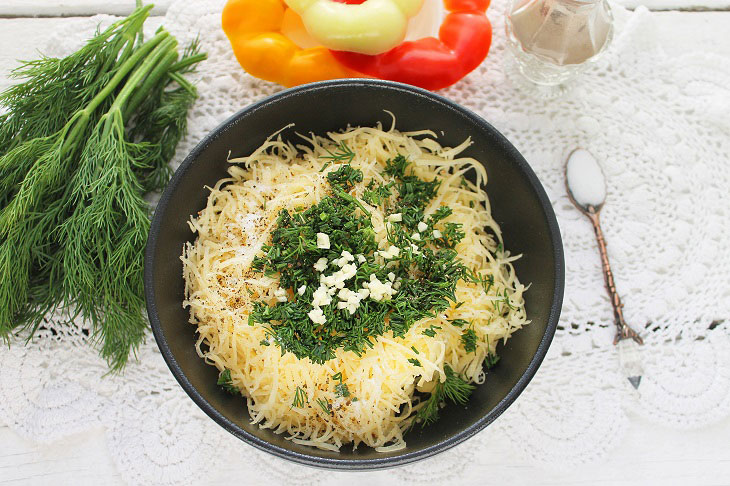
386,461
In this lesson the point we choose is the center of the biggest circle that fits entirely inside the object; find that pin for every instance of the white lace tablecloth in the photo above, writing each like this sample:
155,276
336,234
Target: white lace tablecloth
659,124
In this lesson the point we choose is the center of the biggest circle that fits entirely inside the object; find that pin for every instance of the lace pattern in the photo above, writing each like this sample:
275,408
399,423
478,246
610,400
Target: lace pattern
660,128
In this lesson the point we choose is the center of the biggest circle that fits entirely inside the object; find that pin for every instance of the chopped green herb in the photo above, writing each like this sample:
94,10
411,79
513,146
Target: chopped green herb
412,190
377,195
485,281
491,360
300,398
225,381
264,342
345,177
341,390
454,388
459,322
427,276
414,361
324,405
341,154
415,350
469,340
431,331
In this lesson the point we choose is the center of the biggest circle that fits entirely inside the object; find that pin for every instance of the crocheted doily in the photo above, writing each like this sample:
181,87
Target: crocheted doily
660,128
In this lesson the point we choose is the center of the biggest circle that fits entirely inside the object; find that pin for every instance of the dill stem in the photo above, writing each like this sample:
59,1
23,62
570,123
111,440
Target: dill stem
149,83
80,123
188,61
137,78
353,199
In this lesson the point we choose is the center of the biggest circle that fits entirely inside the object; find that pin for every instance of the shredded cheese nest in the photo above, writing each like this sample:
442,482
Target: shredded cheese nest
220,287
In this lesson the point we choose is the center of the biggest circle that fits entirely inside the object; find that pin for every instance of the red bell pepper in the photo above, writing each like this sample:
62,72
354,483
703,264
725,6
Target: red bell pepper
464,40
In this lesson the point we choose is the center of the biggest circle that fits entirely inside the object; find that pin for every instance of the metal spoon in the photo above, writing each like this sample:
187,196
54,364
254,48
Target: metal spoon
586,186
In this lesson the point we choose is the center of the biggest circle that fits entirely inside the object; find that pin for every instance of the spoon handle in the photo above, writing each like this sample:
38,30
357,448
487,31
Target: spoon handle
624,331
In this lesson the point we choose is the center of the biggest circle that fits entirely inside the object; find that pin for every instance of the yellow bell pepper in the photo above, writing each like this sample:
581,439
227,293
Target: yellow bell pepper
254,29
372,27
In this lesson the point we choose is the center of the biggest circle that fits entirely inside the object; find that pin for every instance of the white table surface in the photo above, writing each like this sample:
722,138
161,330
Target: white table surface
650,454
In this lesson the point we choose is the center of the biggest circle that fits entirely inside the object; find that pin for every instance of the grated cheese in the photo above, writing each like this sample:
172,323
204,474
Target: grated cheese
220,288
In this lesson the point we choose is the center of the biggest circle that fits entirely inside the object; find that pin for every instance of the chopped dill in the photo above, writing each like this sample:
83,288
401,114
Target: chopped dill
459,322
469,340
341,154
414,361
454,388
490,361
345,177
427,271
431,331
341,390
300,398
415,350
226,382
324,405
377,195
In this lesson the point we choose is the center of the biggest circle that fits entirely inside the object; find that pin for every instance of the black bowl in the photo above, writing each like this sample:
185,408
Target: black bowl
519,205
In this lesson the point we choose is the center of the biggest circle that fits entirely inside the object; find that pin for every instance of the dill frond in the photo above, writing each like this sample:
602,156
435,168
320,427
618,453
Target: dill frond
82,139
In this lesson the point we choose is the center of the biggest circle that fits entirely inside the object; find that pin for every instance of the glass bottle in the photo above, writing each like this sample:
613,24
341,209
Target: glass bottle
552,40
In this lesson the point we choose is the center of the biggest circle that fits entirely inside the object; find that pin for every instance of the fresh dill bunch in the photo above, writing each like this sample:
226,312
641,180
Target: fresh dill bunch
73,220
54,88
454,388
161,118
